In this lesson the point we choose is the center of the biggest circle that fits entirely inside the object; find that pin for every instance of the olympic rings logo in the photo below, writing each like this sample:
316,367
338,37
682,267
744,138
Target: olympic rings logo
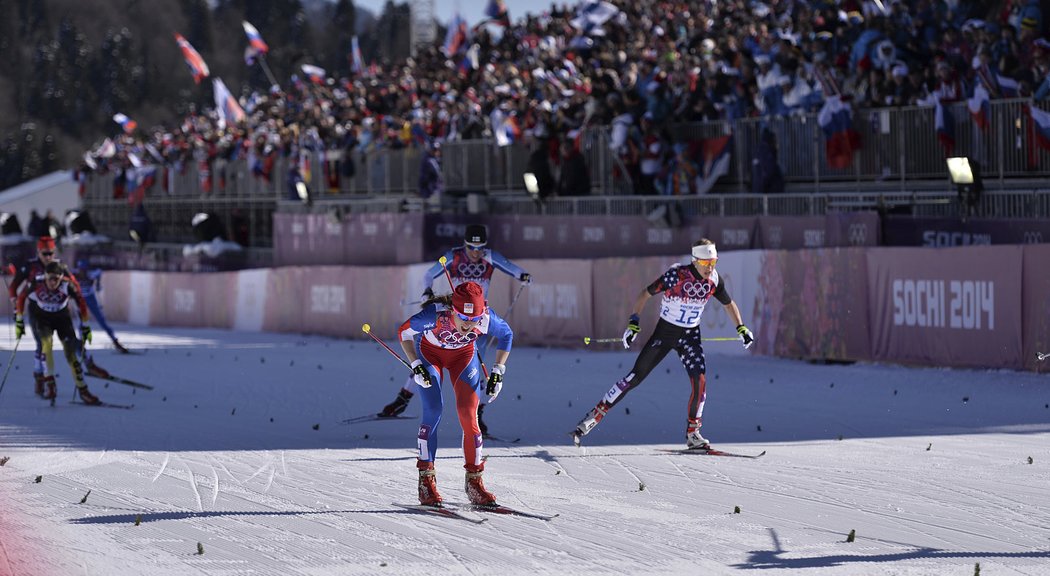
472,269
455,337
858,234
696,289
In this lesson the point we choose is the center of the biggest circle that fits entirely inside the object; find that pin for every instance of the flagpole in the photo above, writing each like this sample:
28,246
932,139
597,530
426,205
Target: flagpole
269,75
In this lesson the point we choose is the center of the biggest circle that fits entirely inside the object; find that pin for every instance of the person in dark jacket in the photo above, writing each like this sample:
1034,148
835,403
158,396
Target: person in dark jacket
574,178
540,167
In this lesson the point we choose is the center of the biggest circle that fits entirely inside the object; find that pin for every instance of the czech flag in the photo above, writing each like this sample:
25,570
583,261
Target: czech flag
840,139
126,123
944,122
193,59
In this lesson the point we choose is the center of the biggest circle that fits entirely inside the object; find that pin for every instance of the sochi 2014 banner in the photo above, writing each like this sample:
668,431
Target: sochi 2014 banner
947,306
947,232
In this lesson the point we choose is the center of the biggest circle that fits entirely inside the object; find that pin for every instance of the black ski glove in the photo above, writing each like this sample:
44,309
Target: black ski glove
633,327
495,381
420,374
746,336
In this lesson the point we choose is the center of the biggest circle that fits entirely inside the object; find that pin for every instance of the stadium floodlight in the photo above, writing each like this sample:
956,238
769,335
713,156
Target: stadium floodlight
966,175
960,170
303,191
532,185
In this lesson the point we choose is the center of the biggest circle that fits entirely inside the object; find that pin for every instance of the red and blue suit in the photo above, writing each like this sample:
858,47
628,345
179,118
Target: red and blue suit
441,346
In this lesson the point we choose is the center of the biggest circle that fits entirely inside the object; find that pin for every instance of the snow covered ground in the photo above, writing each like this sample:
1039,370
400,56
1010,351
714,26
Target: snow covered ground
240,450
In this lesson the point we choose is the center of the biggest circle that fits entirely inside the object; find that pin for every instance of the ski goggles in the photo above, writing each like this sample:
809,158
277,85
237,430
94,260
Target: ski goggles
48,253
475,246
466,318
705,261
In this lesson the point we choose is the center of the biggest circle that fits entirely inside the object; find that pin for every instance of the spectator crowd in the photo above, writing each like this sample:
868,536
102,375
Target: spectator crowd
635,66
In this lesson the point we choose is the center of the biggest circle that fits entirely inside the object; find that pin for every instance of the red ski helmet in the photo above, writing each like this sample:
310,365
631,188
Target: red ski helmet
468,299
45,244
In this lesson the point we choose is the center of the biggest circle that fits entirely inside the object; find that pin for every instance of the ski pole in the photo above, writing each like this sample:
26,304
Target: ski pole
588,340
10,361
448,276
515,299
368,330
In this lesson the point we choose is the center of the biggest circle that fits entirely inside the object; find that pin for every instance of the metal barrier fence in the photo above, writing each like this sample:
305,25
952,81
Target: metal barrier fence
900,154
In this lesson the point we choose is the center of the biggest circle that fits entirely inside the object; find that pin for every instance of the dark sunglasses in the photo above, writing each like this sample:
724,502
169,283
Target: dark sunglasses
47,253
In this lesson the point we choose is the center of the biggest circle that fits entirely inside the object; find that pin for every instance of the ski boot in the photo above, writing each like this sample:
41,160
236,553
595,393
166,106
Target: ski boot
52,389
120,347
589,422
694,441
476,491
396,407
96,370
38,384
428,491
87,397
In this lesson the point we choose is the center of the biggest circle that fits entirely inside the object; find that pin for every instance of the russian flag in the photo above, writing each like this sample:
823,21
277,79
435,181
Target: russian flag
713,156
980,106
1040,127
316,74
456,37
126,123
944,123
840,139
143,179
193,59
226,105
1009,87
255,39
357,62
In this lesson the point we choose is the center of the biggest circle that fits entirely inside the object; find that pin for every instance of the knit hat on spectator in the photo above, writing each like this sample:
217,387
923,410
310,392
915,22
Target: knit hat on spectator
469,299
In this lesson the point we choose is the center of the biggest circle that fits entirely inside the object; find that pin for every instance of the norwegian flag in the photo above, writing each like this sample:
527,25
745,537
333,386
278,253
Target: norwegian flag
198,67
